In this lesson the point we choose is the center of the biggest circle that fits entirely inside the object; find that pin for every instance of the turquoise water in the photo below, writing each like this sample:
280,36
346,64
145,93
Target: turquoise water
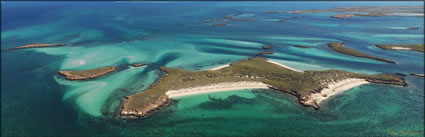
36,101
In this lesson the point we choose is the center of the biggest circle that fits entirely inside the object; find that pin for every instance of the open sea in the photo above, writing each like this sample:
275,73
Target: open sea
37,101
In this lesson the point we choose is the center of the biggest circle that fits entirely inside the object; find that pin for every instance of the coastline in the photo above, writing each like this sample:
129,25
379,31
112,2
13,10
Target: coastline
333,88
284,66
219,87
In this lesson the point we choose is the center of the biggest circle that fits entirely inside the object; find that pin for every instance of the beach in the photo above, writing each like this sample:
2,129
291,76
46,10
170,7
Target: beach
284,66
219,87
219,67
334,89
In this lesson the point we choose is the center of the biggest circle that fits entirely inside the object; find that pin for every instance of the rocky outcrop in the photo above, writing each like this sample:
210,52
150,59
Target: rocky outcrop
87,74
419,75
37,45
301,46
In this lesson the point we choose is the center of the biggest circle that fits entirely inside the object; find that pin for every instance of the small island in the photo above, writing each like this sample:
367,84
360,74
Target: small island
267,47
137,64
301,46
310,87
418,75
87,74
339,47
219,24
37,45
413,47
341,16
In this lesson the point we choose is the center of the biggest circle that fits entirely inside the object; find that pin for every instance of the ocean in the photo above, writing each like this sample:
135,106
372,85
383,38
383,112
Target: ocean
37,101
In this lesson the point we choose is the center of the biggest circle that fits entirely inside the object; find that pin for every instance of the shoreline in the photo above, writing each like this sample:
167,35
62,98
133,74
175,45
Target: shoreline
284,66
219,87
333,89
219,67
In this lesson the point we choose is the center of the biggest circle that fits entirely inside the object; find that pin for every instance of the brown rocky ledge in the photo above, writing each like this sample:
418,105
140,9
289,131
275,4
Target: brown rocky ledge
36,45
148,109
87,74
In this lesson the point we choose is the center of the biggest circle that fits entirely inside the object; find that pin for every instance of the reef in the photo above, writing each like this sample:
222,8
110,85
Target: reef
254,70
339,47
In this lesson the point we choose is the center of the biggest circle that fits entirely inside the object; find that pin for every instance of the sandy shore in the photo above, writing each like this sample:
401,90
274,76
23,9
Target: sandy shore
400,48
333,89
284,66
220,67
219,87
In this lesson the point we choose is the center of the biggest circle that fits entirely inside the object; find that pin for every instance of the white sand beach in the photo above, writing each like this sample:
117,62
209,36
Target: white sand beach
335,88
400,48
284,66
219,87
219,67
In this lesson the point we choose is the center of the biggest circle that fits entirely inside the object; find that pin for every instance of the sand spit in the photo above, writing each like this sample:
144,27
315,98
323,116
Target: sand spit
227,86
333,89
284,66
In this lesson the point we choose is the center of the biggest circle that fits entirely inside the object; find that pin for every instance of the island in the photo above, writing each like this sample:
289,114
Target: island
301,46
310,87
137,64
37,45
339,47
265,52
220,24
413,47
267,47
87,74
370,11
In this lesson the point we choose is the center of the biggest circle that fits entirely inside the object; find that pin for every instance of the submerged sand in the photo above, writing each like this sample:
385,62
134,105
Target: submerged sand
219,87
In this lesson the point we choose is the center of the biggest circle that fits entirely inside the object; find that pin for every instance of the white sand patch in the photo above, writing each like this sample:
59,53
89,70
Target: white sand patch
335,88
284,66
219,87
82,62
219,67
400,48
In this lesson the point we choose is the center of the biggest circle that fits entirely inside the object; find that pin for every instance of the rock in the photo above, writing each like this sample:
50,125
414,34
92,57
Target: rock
301,46
137,64
220,24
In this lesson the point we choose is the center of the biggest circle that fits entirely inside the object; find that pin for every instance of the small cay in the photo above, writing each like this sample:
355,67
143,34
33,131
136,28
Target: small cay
339,47
87,74
37,45
310,87
413,47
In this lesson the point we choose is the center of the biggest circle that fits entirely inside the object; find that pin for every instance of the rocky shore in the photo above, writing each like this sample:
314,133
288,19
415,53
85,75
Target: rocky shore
87,74
37,45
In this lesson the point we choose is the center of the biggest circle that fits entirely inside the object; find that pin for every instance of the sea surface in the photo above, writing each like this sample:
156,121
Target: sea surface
37,101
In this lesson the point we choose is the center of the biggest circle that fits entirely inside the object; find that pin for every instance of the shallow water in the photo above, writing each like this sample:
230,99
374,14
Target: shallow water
37,100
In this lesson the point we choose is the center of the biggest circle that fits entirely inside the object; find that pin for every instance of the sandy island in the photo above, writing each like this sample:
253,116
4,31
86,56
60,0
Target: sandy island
333,88
219,87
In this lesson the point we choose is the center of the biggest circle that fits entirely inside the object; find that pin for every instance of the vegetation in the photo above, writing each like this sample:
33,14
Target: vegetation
87,74
414,47
339,47
300,84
